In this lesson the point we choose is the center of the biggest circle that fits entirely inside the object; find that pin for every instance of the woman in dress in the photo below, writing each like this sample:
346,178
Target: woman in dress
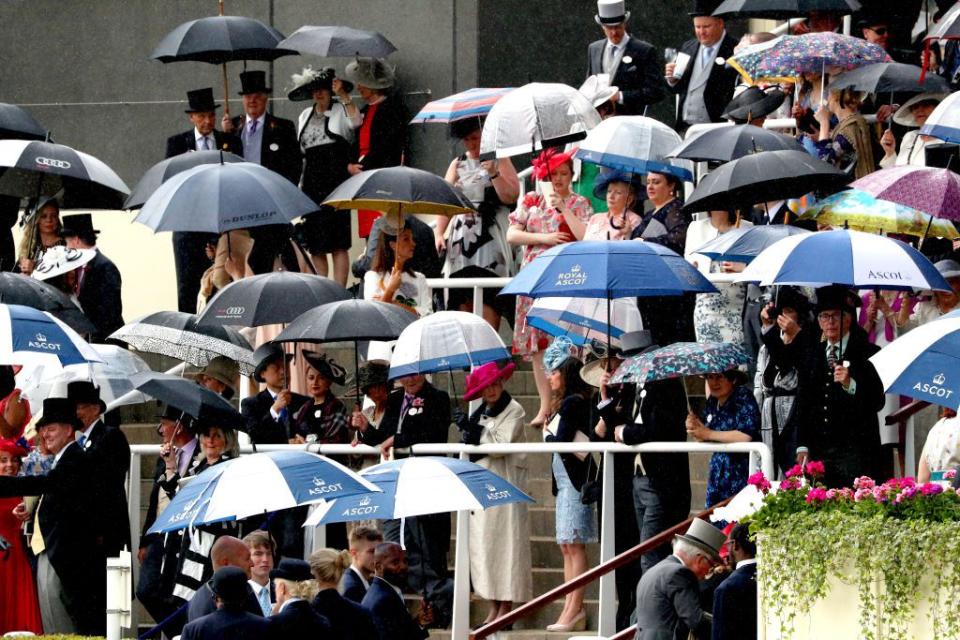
913,114
941,450
619,221
882,315
848,145
390,278
492,186
43,234
21,609
375,386
325,130
542,221
731,415
500,564
666,223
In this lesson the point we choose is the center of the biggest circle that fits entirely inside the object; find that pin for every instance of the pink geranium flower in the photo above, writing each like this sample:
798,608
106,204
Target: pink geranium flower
814,468
759,481
794,471
817,494
931,489
864,482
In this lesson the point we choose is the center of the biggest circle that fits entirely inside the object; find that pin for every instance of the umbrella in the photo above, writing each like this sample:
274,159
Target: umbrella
19,289
723,144
444,341
216,198
764,177
890,77
259,483
680,359
782,9
189,396
585,319
947,27
270,298
166,169
179,335
927,189
420,486
472,103
922,364
850,258
337,42
399,190
944,122
30,169
16,122
786,58
536,116
634,144
860,211
32,337
743,244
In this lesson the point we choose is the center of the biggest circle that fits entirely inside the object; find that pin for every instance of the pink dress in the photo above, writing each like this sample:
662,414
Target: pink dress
534,217
599,226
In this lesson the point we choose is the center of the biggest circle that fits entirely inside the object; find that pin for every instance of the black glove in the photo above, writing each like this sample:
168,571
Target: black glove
461,419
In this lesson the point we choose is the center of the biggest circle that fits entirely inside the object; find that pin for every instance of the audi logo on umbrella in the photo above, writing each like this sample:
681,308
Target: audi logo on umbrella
52,162
231,312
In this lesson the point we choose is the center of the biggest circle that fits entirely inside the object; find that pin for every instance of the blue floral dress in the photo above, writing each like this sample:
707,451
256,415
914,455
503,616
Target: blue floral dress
728,471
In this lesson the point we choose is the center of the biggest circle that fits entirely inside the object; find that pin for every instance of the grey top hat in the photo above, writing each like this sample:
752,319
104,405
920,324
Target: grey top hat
948,268
705,536
636,342
372,73
610,12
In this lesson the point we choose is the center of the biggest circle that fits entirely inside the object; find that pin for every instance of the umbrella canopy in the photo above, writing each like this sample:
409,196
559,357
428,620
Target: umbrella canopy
608,269
399,190
420,486
680,359
472,103
19,289
16,122
850,258
445,341
634,144
723,144
348,321
536,116
216,198
31,337
190,397
782,9
337,42
890,77
179,335
30,169
786,58
944,122
166,169
585,319
860,211
923,363
221,39
764,177
259,483
948,27
743,244
270,298
927,189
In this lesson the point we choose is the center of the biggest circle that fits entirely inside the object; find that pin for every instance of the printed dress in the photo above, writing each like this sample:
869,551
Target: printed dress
728,471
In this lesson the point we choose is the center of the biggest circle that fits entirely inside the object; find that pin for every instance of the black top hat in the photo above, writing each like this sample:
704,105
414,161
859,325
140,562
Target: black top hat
200,100
636,342
171,412
292,569
230,585
703,8
253,82
753,103
836,296
872,18
59,411
78,225
266,354
85,392
327,367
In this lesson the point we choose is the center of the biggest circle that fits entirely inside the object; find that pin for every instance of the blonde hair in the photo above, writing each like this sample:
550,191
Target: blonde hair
306,589
328,565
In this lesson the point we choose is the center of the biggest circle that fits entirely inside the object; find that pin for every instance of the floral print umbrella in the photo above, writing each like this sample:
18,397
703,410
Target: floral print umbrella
680,359
860,211
933,191
788,57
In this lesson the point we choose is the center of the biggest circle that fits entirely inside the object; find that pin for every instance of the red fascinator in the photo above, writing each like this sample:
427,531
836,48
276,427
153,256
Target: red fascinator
548,161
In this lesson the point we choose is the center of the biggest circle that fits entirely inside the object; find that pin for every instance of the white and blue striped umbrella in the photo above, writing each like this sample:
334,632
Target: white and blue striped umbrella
850,258
420,486
635,144
944,122
585,319
446,341
257,484
30,337
924,364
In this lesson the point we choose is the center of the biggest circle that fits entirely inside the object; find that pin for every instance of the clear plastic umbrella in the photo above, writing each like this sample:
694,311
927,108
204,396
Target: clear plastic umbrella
635,144
944,122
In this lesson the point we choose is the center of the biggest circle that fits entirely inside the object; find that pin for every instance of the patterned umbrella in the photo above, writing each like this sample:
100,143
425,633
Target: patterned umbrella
787,57
858,210
680,359
932,191
944,122
471,103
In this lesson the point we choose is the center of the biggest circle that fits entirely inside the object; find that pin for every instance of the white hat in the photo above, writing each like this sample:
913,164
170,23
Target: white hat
611,12
597,89
905,118
58,260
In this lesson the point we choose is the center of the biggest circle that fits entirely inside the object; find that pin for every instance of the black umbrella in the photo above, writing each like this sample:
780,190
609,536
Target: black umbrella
782,9
166,169
724,144
338,42
17,123
764,177
270,298
16,288
193,399
178,335
890,77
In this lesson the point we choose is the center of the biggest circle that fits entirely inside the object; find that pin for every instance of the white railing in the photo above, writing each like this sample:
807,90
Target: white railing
761,458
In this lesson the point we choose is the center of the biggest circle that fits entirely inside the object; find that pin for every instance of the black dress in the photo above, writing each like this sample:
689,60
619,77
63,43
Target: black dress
325,167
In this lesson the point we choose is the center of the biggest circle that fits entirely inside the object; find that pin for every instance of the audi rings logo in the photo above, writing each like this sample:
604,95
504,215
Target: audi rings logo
231,312
52,162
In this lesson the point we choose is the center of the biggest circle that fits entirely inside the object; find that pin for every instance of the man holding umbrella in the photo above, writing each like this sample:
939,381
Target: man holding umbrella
269,412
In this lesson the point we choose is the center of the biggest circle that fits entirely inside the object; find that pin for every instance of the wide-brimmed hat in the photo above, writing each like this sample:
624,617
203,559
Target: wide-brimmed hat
223,369
872,18
904,117
14,447
704,536
292,569
836,296
634,343
602,181
230,584
610,12
78,225
264,355
754,102
327,367
373,73
597,89
59,411
559,351
200,101
484,376
948,268
702,8
253,82
85,392
592,372
309,80
57,260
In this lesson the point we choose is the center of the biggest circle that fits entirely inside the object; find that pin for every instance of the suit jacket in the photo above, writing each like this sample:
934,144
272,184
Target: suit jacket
668,603
204,603
261,426
429,422
735,605
100,296
574,417
720,85
758,215
227,625
388,135
390,614
347,618
351,587
299,620
279,147
110,452
187,141
638,74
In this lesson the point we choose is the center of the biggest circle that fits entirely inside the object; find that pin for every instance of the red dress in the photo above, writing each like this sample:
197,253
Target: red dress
20,610
366,217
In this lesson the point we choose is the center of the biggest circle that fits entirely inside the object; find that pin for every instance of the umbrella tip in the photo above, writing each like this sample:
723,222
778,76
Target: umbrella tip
221,156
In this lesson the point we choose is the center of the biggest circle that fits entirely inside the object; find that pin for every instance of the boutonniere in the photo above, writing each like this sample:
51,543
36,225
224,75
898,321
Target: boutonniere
627,59
274,146
720,61
272,125
417,402
225,146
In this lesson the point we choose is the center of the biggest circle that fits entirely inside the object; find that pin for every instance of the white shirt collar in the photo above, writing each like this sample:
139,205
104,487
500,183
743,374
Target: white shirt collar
748,561
199,136
366,584
257,587
716,45
286,602
59,455
623,42
86,432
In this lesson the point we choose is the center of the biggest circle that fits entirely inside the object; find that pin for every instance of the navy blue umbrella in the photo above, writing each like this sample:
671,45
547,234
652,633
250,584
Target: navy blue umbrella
743,244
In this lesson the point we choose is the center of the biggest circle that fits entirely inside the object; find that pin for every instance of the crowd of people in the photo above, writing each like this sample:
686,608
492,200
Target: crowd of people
810,391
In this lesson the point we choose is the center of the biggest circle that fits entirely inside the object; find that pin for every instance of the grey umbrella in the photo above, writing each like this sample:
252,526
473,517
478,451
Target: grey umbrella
334,42
16,122
16,288
166,169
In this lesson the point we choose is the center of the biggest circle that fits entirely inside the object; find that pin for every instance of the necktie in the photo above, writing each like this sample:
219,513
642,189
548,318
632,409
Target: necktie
36,540
253,126
206,143
832,354
608,58
264,599
407,400
705,57
81,440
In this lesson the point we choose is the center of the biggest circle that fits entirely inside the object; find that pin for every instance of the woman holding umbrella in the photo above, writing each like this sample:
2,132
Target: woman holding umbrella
913,114
849,145
666,223
390,278
43,232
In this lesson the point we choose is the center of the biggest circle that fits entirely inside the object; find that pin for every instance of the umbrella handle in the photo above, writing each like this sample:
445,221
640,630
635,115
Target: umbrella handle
226,83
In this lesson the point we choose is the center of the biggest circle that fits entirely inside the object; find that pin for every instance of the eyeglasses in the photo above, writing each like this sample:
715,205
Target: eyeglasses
828,316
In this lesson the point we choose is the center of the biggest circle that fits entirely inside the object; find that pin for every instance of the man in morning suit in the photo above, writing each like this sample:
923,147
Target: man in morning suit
385,601
668,596
189,247
271,142
295,617
71,566
268,413
735,600
230,620
98,281
707,84
632,64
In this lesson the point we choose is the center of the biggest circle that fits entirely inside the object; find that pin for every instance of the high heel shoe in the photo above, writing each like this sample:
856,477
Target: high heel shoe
579,623
539,421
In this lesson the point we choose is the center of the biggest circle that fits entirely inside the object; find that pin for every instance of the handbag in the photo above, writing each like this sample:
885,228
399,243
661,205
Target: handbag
591,489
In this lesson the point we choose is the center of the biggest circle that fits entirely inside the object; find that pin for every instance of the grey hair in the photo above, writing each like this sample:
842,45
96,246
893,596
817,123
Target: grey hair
691,551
